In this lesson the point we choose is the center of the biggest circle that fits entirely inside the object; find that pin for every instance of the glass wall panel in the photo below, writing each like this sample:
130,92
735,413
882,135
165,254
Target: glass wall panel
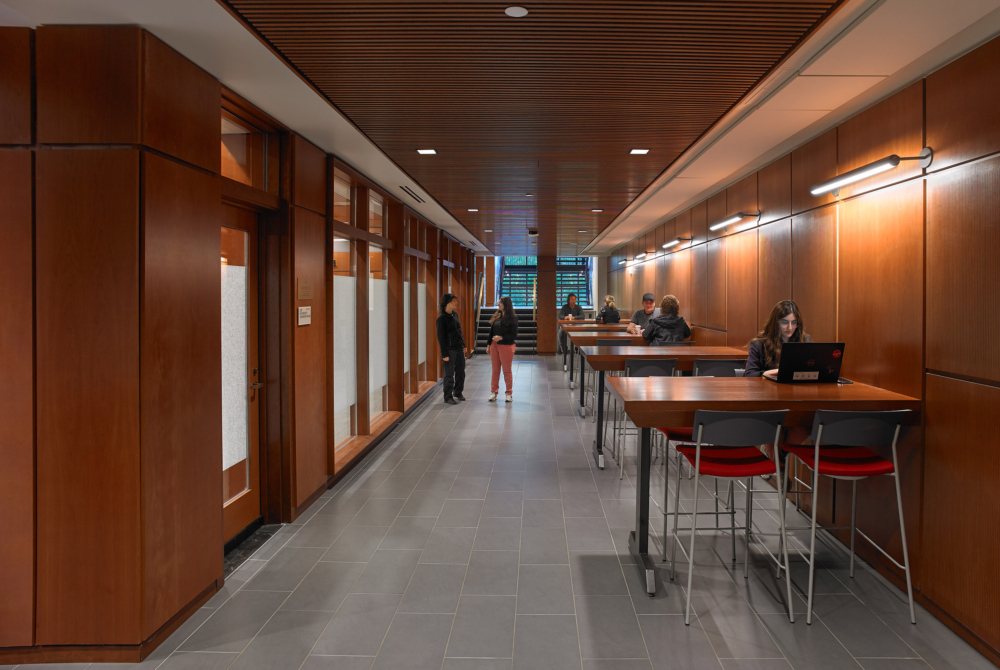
421,322
378,331
406,326
235,381
236,151
345,384
341,200
375,215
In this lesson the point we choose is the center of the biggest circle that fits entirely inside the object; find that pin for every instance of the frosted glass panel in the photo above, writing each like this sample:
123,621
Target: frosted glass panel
235,398
378,341
345,389
406,326
421,323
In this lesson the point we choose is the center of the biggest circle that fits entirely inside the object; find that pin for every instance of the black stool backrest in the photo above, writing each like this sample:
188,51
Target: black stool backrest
682,343
738,429
612,343
650,367
704,367
858,429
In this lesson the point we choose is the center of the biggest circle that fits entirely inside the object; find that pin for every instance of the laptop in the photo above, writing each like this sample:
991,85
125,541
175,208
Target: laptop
811,362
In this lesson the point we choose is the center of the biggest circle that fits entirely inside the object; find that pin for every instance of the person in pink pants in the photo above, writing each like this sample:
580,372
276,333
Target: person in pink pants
503,337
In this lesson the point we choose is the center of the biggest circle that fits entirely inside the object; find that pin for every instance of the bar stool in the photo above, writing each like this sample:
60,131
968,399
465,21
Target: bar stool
840,450
638,367
740,458
592,379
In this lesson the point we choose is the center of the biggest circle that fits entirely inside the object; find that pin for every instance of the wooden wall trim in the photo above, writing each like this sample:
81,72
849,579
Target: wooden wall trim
410,251
241,195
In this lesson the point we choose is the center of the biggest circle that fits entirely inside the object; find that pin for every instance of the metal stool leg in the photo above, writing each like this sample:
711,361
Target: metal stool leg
731,501
854,520
784,541
749,518
694,524
677,511
902,531
812,547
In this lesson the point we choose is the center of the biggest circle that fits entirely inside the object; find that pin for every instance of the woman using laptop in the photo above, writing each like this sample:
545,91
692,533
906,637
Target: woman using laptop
784,325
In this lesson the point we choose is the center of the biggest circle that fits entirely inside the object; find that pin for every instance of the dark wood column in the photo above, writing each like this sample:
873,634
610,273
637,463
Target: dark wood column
360,221
394,231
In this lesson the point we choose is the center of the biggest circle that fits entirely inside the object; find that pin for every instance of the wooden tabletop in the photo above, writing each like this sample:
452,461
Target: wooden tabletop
653,402
565,321
585,339
613,358
578,327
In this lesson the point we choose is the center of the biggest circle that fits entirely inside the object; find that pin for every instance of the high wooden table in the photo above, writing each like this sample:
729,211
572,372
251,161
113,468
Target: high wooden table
606,359
589,339
577,326
670,402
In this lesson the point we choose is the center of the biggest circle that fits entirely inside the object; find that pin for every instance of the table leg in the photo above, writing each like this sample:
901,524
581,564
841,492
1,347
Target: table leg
564,347
583,387
638,541
571,351
599,403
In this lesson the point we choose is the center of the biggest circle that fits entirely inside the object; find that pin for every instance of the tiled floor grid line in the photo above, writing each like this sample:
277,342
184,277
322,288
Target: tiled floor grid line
481,537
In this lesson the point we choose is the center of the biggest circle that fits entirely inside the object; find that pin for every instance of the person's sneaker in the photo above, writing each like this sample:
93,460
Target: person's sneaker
510,398
459,396
493,397
450,401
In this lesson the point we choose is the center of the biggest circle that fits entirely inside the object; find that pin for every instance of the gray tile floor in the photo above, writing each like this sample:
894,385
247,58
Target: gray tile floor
480,537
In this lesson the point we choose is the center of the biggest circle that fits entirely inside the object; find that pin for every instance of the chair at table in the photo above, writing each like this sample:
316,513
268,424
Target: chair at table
637,367
725,447
592,377
682,343
840,449
707,367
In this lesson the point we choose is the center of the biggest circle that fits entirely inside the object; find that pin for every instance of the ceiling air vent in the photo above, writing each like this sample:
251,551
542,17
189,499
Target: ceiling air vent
410,192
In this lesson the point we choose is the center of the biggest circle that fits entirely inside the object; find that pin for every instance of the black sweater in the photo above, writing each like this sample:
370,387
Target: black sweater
609,315
666,328
506,329
576,311
449,332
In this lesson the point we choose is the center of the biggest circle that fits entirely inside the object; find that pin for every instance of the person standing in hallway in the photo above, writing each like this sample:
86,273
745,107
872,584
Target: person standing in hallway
784,325
449,333
569,311
608,313
503,337
642,317
669,326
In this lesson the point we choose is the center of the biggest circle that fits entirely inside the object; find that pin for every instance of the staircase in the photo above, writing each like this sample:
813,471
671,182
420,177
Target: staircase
527,330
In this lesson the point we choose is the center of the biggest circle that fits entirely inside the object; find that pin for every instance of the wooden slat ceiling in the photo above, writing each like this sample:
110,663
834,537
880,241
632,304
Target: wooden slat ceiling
549,104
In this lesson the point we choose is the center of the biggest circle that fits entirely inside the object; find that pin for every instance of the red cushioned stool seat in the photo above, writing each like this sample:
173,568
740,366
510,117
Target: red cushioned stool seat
837,461
678,434
729,461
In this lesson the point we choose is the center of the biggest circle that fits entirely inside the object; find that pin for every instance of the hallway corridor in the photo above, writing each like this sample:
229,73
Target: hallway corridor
479,537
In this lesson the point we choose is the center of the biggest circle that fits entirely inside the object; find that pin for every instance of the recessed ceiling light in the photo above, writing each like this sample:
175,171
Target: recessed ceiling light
516,12
597,210
639,152
473,210
489,230
581,231
529,195
426,152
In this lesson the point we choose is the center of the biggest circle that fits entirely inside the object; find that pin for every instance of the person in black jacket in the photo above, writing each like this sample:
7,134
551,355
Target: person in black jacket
503,339
608,313
668,326
784,325
449,332
569,311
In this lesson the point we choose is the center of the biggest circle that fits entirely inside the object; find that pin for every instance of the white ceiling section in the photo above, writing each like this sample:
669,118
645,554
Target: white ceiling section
207,34
866,51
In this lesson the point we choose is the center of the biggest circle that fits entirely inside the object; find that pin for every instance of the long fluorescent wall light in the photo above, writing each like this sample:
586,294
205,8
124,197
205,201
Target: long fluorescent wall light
925,157
735,218
622,262
674,243
640,257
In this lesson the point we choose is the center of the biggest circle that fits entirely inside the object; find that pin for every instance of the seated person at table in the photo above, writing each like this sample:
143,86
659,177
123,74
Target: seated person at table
784,325
608,313
569,311
641,317
668,326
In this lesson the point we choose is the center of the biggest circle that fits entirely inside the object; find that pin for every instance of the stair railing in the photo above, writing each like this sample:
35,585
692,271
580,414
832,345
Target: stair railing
481,279
534,300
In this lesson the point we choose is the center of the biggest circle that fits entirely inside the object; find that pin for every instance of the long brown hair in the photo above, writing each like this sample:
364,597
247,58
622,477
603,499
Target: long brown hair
771,335
506,314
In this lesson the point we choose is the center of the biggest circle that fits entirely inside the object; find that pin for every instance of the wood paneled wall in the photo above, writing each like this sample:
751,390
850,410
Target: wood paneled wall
547,341
17,399
902,268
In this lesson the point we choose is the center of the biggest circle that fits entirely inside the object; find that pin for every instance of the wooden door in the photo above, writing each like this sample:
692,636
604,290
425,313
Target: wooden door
241,378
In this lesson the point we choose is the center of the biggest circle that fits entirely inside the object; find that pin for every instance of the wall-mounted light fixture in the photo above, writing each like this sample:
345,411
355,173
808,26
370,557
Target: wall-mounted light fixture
675,242
640,257
926,157
622,262
735,218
